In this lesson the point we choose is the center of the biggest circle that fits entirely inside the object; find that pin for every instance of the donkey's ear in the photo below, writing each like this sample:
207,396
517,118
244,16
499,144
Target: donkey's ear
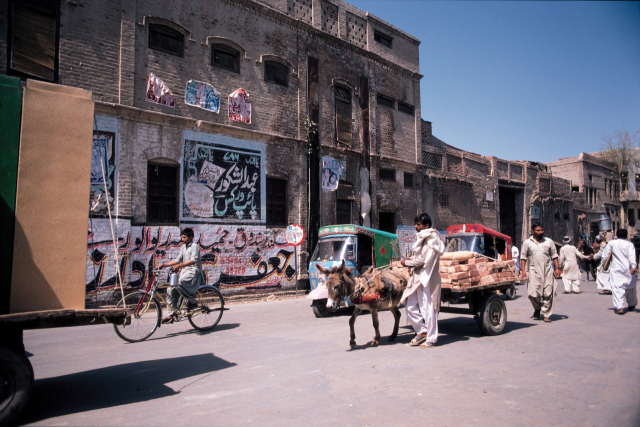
321,269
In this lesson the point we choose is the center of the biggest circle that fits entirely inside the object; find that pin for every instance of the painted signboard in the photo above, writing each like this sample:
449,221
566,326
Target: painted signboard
294,234
240,107
104,165
202,95
406,238
222,179
158,92
330,173
233,257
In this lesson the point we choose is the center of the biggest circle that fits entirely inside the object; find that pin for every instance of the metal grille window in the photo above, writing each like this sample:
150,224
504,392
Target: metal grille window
275,72
384,100
388,174
276,202
343,212
444,200
344,125
408,180
431,160
382,39
33,40
405,108
165,39
162,194
225,57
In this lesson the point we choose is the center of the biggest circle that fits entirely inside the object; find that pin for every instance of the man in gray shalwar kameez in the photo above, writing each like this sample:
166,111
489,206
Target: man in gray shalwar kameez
191,274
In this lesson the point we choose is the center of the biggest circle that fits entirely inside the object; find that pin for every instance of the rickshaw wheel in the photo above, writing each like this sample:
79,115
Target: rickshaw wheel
319,307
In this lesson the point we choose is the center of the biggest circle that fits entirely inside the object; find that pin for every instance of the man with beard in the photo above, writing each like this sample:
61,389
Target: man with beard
536,261
422,295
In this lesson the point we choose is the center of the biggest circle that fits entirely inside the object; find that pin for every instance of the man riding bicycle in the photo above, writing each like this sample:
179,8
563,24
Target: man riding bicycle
191,275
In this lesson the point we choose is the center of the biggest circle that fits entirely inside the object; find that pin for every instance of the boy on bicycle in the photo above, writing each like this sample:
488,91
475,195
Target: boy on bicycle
191,274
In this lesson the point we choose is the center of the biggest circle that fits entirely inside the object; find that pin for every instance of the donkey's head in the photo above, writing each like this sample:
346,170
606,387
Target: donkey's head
339,283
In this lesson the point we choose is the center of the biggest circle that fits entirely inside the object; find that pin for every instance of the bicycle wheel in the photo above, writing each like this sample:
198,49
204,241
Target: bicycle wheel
210,308
139,327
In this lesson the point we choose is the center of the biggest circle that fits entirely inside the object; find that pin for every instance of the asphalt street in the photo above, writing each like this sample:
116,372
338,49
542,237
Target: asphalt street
275,364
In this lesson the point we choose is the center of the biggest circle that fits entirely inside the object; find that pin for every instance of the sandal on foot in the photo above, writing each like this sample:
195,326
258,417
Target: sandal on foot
169,319
427,345
417,340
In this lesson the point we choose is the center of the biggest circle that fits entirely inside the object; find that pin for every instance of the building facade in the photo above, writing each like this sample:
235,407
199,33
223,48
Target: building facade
200,122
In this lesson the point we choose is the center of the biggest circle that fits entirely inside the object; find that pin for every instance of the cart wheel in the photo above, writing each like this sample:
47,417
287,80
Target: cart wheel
510,293
491,314
319,307
16,383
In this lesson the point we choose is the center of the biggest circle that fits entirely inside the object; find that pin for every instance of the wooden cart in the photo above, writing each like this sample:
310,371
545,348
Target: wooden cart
16,372
485,304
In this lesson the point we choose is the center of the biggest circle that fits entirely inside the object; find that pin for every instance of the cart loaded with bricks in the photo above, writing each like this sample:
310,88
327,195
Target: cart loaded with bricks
482,281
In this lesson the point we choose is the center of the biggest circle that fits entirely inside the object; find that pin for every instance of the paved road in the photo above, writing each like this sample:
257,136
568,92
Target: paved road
274,364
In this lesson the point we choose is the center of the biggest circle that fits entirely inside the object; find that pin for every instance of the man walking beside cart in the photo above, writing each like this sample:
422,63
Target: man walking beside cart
536,258
422,295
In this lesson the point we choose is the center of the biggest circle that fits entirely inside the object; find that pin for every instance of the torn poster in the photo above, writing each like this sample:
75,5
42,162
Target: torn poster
240,107
202,95
330,173
158,92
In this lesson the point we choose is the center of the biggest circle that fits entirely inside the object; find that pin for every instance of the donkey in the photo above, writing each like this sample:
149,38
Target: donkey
372,291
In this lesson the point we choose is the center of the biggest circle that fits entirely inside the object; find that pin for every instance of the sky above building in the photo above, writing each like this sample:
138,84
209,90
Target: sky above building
524,80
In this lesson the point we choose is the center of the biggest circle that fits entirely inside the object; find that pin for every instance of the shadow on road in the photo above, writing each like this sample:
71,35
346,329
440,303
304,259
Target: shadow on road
218,328
114,385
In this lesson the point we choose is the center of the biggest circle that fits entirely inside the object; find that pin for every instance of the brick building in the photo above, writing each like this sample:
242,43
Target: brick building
172,163
464,187
592,190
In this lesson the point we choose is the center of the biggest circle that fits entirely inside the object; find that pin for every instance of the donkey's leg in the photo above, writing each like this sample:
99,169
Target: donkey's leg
376,324
396,316
352,321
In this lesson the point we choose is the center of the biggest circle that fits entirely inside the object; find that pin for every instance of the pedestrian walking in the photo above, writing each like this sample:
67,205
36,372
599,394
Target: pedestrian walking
602,277
537,259
622,271
515,255
422,295
568,261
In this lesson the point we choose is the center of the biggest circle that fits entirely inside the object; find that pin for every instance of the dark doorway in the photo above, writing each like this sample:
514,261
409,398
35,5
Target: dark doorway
595,230
508,211
387,222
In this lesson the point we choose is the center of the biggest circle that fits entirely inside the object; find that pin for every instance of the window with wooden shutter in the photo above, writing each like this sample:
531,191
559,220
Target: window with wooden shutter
344,124
34,41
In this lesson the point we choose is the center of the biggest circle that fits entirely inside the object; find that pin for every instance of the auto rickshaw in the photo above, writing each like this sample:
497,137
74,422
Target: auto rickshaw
360,248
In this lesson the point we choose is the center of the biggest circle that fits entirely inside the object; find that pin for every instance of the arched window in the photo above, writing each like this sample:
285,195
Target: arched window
226,57
275,72
165,39
344,124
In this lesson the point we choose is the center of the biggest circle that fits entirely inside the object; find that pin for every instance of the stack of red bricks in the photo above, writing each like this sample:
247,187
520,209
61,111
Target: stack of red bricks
475,272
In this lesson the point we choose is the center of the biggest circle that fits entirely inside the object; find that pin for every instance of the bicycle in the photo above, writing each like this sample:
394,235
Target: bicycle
144,310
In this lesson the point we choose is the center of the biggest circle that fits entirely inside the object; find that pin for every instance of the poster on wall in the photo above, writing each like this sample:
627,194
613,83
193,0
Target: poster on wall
407,236
535,212
222,179
343,168
489,196
330,174
240,107
202,95
103,166
158,92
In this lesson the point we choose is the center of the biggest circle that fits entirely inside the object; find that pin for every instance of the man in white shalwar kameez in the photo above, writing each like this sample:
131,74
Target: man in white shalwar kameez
568,259
422,295
622,272
602,278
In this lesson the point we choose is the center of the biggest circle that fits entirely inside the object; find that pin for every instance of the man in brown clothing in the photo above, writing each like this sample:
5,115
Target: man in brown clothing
535,258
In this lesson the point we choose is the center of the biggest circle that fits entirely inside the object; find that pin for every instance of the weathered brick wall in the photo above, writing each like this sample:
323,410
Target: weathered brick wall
234,258
560,187
454,164
515,172
477,167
